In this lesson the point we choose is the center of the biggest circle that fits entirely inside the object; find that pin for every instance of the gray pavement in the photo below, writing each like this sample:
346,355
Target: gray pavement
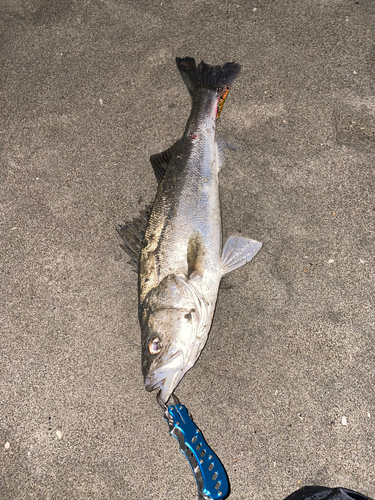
284,390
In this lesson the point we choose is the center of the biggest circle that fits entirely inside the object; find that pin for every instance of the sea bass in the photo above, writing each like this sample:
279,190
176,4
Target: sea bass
177,244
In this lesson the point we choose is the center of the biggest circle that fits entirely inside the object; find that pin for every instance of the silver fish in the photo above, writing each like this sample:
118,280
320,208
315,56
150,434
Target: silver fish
179,253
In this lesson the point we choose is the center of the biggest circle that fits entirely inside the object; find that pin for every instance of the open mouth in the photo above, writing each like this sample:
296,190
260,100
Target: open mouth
166,376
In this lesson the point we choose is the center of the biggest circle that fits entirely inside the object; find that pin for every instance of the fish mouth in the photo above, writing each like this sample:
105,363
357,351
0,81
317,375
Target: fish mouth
166,376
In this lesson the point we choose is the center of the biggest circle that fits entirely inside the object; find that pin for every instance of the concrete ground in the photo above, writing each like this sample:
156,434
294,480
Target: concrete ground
284,390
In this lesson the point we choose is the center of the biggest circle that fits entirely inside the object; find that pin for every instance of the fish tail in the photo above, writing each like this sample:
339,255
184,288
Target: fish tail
217,78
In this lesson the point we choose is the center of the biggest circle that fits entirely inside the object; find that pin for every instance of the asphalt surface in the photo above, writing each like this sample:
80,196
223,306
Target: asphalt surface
284,390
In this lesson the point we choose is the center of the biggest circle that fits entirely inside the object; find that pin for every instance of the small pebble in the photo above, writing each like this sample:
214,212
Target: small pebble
331,261
59,434
355,73
361,261
7,445
344,420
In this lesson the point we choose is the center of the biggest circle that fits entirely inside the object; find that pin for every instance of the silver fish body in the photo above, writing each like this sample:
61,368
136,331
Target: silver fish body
182,248
181,261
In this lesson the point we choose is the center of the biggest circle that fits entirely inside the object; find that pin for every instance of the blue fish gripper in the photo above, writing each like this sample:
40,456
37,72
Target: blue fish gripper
212,480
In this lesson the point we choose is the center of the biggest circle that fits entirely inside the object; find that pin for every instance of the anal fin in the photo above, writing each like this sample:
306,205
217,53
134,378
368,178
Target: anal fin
237,252
221,145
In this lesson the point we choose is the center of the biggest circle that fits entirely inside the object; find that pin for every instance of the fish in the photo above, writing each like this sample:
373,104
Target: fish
176,245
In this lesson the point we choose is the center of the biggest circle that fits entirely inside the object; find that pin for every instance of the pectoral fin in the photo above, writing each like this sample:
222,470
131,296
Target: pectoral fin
237,252
161,160
195,254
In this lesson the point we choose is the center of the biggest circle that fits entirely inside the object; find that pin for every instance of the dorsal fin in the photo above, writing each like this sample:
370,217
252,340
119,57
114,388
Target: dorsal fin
160,161
132,234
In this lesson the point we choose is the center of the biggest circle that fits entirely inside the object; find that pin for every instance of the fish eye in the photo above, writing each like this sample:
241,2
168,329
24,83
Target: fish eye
155,345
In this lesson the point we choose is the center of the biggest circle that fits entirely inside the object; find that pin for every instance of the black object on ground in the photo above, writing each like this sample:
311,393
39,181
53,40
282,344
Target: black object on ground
323,493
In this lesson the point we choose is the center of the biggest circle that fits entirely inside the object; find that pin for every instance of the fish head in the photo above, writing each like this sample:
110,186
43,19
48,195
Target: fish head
169,349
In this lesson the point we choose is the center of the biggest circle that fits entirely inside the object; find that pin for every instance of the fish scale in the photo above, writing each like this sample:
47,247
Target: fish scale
181,261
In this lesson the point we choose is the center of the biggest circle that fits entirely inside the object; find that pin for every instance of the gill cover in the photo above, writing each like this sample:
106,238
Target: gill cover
175,320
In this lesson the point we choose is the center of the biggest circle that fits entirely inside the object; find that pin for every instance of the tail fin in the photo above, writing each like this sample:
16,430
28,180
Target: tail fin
217,78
